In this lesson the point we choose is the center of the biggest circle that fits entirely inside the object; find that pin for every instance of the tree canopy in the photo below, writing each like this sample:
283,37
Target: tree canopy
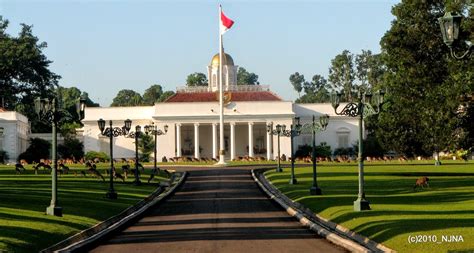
152,94
196,79
132,98
166,95
25,76
127,97
315,91
297,81
246,78
341,73
422,113
24,71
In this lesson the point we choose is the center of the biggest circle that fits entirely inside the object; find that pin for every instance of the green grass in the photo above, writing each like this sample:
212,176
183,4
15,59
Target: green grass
446,208
24,227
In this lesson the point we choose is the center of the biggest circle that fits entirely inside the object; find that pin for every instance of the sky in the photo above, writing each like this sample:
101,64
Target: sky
102,47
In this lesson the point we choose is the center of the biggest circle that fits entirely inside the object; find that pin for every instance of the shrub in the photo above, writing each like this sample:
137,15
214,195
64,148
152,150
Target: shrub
322,150
3,156
72,148
344,152
462,154
146,145
303,151
102,156
38,149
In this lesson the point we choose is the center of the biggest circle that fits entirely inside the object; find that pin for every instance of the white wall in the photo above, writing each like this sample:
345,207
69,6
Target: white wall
123,147
15,136
206,113
336,124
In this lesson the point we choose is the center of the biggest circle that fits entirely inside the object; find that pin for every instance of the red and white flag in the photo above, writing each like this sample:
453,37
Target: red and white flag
226,23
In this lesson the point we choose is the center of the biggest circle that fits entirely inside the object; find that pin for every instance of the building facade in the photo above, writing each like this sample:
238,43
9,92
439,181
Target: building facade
192,117
15,131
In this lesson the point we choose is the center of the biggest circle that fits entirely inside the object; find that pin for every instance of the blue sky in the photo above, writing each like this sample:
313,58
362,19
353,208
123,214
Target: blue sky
102,47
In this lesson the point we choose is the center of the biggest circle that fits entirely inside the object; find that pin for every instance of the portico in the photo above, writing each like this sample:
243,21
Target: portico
200,140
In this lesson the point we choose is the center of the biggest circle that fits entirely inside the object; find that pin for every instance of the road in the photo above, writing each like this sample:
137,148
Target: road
217,210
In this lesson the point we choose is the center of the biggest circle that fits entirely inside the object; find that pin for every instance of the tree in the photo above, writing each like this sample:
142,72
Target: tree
341,73
166,95
89,102
297,81
196,79
152,94
146,145
24,71
462,73
246,78
315,91
369,69
127,98
71,149
421,114
68,98
38,149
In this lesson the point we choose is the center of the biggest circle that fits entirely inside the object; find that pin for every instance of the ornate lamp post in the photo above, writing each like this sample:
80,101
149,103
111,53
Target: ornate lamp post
278,131
47,109
112,132
362,109
294,131
136,135
1,137
450,24
314,128
152,129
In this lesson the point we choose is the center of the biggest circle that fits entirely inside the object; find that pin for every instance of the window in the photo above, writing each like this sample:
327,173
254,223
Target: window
343,137
104,144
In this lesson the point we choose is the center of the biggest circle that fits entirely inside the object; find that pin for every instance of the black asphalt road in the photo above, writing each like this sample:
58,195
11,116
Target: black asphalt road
217,210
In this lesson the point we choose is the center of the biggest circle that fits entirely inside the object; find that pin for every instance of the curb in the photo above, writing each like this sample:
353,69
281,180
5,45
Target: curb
85,238
333,232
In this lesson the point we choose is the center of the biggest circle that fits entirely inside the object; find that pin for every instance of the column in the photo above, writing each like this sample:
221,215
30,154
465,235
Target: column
178,140
232,141
251,139
269,145
196,141
214,140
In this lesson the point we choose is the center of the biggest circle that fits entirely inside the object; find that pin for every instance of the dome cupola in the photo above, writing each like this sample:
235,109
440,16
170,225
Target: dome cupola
226,59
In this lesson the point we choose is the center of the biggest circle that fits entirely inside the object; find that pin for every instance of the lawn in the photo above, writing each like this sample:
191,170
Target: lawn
398,212
24,227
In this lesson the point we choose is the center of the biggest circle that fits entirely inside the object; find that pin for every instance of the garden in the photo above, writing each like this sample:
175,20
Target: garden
24,227
441,215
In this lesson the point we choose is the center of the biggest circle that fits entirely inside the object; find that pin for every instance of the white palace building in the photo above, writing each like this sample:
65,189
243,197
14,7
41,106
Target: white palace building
192,117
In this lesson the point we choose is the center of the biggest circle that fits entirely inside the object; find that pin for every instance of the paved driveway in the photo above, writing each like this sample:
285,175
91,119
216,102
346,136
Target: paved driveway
217,210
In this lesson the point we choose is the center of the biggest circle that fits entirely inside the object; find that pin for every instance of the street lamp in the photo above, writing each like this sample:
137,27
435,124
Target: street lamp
294,131
314,128
450,25
153,129
278,131
136,135
112,132
47,109
81,107
362,109
1,137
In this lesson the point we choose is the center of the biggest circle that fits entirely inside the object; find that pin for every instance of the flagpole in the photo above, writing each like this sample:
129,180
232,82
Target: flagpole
221,102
